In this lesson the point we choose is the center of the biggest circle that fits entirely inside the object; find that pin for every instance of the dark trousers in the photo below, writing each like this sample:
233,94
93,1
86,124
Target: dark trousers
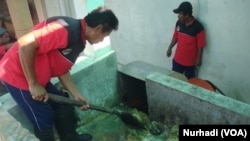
40,113
188,71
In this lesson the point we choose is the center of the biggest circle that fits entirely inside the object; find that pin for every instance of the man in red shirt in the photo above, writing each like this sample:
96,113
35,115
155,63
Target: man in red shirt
50,50
189,34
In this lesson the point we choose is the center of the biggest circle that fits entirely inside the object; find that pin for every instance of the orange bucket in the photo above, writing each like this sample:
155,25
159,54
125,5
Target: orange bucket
202,83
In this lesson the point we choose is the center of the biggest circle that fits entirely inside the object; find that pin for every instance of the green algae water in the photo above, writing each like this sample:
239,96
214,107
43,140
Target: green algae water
108,127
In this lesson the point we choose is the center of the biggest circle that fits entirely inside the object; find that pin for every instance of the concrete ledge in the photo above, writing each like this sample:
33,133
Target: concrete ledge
132,82
141,70
97,81
176,102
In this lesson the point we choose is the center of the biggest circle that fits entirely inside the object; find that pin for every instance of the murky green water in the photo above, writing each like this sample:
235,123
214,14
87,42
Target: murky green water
108,127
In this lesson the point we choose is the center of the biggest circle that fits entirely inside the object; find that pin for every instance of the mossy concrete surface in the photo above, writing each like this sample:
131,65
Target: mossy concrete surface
173,101
140,69
96,79
107,127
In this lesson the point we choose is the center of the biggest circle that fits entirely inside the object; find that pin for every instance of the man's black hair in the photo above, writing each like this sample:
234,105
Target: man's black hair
102,16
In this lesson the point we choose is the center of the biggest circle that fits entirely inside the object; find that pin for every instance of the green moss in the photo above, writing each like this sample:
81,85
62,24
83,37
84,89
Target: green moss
174,134
108,127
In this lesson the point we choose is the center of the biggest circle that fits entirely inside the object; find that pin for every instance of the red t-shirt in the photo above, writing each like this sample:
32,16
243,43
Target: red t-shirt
189,39
2,51
48,61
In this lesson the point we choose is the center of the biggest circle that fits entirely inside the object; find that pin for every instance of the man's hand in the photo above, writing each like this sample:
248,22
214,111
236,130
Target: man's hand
83,99
169,52
38,92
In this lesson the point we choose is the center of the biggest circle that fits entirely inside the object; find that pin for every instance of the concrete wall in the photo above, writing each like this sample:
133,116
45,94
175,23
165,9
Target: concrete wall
96,78
172,101
146,28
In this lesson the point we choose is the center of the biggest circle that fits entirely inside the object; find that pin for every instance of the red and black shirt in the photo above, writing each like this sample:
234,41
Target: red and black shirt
189,39
60,41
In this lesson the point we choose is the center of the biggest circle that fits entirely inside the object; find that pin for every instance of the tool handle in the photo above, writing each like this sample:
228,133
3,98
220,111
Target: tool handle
64,100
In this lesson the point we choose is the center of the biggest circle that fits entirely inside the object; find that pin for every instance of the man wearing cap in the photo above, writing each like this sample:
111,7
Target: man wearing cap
189,35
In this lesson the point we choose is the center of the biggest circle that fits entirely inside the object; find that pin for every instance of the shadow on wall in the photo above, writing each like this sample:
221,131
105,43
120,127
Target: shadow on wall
133,92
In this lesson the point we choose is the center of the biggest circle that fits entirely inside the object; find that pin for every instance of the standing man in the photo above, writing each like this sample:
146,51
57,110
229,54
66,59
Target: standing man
50,50
189,34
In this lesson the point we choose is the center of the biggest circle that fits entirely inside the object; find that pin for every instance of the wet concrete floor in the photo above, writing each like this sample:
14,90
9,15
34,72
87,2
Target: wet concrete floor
108,127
